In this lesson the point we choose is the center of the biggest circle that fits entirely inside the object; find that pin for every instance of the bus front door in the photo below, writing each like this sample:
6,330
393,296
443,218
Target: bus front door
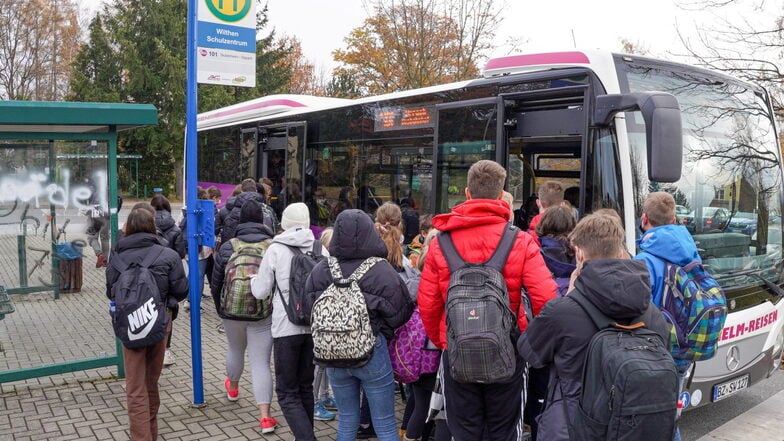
282,162
465,133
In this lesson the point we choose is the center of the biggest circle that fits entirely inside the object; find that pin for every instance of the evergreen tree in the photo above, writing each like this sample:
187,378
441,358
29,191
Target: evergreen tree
137,53
96,74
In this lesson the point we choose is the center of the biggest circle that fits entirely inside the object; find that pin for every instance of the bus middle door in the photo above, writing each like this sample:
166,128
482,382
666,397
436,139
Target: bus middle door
282,159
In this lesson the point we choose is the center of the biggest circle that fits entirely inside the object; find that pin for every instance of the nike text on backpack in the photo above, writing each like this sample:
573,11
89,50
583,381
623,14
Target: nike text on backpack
236,299
140,310
409,351
695,306
479,322
340,323
299,306
629,382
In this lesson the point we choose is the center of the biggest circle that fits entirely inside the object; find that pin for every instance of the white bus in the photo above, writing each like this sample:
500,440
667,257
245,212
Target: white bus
605,123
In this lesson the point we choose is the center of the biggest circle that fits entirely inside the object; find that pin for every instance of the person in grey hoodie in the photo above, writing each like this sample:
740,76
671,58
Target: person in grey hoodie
292,344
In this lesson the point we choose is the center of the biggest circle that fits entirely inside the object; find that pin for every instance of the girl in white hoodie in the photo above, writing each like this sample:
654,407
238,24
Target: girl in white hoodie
293,345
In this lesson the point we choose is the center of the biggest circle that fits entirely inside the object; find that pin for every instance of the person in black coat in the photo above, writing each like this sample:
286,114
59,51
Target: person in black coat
143,365
355,238
166,224
559,336
249,193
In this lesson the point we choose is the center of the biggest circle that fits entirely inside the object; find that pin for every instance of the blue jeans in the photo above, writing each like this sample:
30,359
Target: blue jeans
376,379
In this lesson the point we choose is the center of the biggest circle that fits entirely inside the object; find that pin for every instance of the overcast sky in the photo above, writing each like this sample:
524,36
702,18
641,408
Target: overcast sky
321,25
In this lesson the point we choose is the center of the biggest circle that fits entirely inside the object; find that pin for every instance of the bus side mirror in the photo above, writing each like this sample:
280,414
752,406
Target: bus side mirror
663,130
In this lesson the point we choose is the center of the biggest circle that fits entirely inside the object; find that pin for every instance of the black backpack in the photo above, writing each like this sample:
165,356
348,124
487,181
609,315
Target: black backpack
629,381
140,318
299,306
480,325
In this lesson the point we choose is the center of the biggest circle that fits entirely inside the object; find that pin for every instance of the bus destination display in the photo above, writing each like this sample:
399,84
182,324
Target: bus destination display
401,118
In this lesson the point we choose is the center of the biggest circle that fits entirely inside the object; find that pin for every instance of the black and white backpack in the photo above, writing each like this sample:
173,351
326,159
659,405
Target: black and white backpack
140,317
340,323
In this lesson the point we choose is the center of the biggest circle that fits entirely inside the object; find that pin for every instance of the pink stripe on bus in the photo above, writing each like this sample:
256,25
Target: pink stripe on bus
536,59
261,105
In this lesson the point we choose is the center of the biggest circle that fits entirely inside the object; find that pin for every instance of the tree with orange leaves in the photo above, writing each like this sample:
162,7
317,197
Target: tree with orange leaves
408,44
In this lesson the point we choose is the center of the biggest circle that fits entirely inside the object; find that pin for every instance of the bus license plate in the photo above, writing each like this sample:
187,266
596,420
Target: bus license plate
724,390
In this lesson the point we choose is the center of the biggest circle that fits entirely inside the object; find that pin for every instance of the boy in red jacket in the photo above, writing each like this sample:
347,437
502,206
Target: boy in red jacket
483,411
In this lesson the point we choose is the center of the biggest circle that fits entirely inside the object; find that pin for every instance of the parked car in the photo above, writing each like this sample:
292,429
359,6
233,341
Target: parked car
713,218
743,222
681,213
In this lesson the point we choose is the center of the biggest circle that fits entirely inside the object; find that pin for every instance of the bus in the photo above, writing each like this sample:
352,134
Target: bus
614,126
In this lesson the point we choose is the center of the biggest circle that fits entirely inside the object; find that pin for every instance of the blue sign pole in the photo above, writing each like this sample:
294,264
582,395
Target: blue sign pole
191,177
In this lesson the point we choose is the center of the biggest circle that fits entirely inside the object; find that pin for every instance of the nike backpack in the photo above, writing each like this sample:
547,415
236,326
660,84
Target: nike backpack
340,322
236,299
479,322
140,310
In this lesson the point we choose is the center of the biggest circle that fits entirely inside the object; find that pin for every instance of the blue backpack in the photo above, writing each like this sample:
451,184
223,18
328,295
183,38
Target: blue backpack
695,307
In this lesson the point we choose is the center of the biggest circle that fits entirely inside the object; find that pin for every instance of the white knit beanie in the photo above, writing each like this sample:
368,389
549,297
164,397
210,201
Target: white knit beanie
295,215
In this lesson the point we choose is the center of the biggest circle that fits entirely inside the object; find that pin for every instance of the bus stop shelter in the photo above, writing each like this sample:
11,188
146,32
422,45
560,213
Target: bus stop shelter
48,206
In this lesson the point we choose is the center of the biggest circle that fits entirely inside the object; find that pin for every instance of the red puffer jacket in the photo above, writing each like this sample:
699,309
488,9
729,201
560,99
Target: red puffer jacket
476,227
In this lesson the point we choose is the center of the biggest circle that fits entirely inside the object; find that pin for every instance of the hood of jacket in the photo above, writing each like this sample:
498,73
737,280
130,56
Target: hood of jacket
672,243
138,240
473,213
299,237
618,287
245,196
253,229
230,203
355,237
164,220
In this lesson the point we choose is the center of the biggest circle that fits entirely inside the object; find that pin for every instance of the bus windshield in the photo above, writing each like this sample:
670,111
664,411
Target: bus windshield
729,196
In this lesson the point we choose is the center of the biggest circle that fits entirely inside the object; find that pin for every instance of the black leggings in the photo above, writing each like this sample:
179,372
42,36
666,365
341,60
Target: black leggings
416,423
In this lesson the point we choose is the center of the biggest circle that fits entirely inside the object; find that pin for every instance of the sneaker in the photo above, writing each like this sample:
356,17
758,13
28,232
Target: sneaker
268,425
220,329
366,432
329,403
231,394
320,413
168,358
101,261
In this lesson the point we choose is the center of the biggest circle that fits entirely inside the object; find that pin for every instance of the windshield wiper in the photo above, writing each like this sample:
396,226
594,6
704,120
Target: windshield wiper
771,286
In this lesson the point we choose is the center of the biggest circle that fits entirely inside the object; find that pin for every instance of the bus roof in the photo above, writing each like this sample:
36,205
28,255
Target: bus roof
290,105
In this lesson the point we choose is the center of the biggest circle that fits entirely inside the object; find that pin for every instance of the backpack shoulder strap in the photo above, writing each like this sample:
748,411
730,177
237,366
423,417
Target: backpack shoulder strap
497,260
152,257
334,269
364,267
599,319
505,245
453,258
316,248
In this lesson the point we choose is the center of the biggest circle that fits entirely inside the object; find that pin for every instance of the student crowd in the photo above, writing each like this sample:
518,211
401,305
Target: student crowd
417,280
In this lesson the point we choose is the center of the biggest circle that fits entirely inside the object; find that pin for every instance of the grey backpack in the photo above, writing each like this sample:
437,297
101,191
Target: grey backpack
479,322
340,323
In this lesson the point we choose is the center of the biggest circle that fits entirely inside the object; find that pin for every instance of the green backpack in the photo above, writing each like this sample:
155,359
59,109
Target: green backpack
236,300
